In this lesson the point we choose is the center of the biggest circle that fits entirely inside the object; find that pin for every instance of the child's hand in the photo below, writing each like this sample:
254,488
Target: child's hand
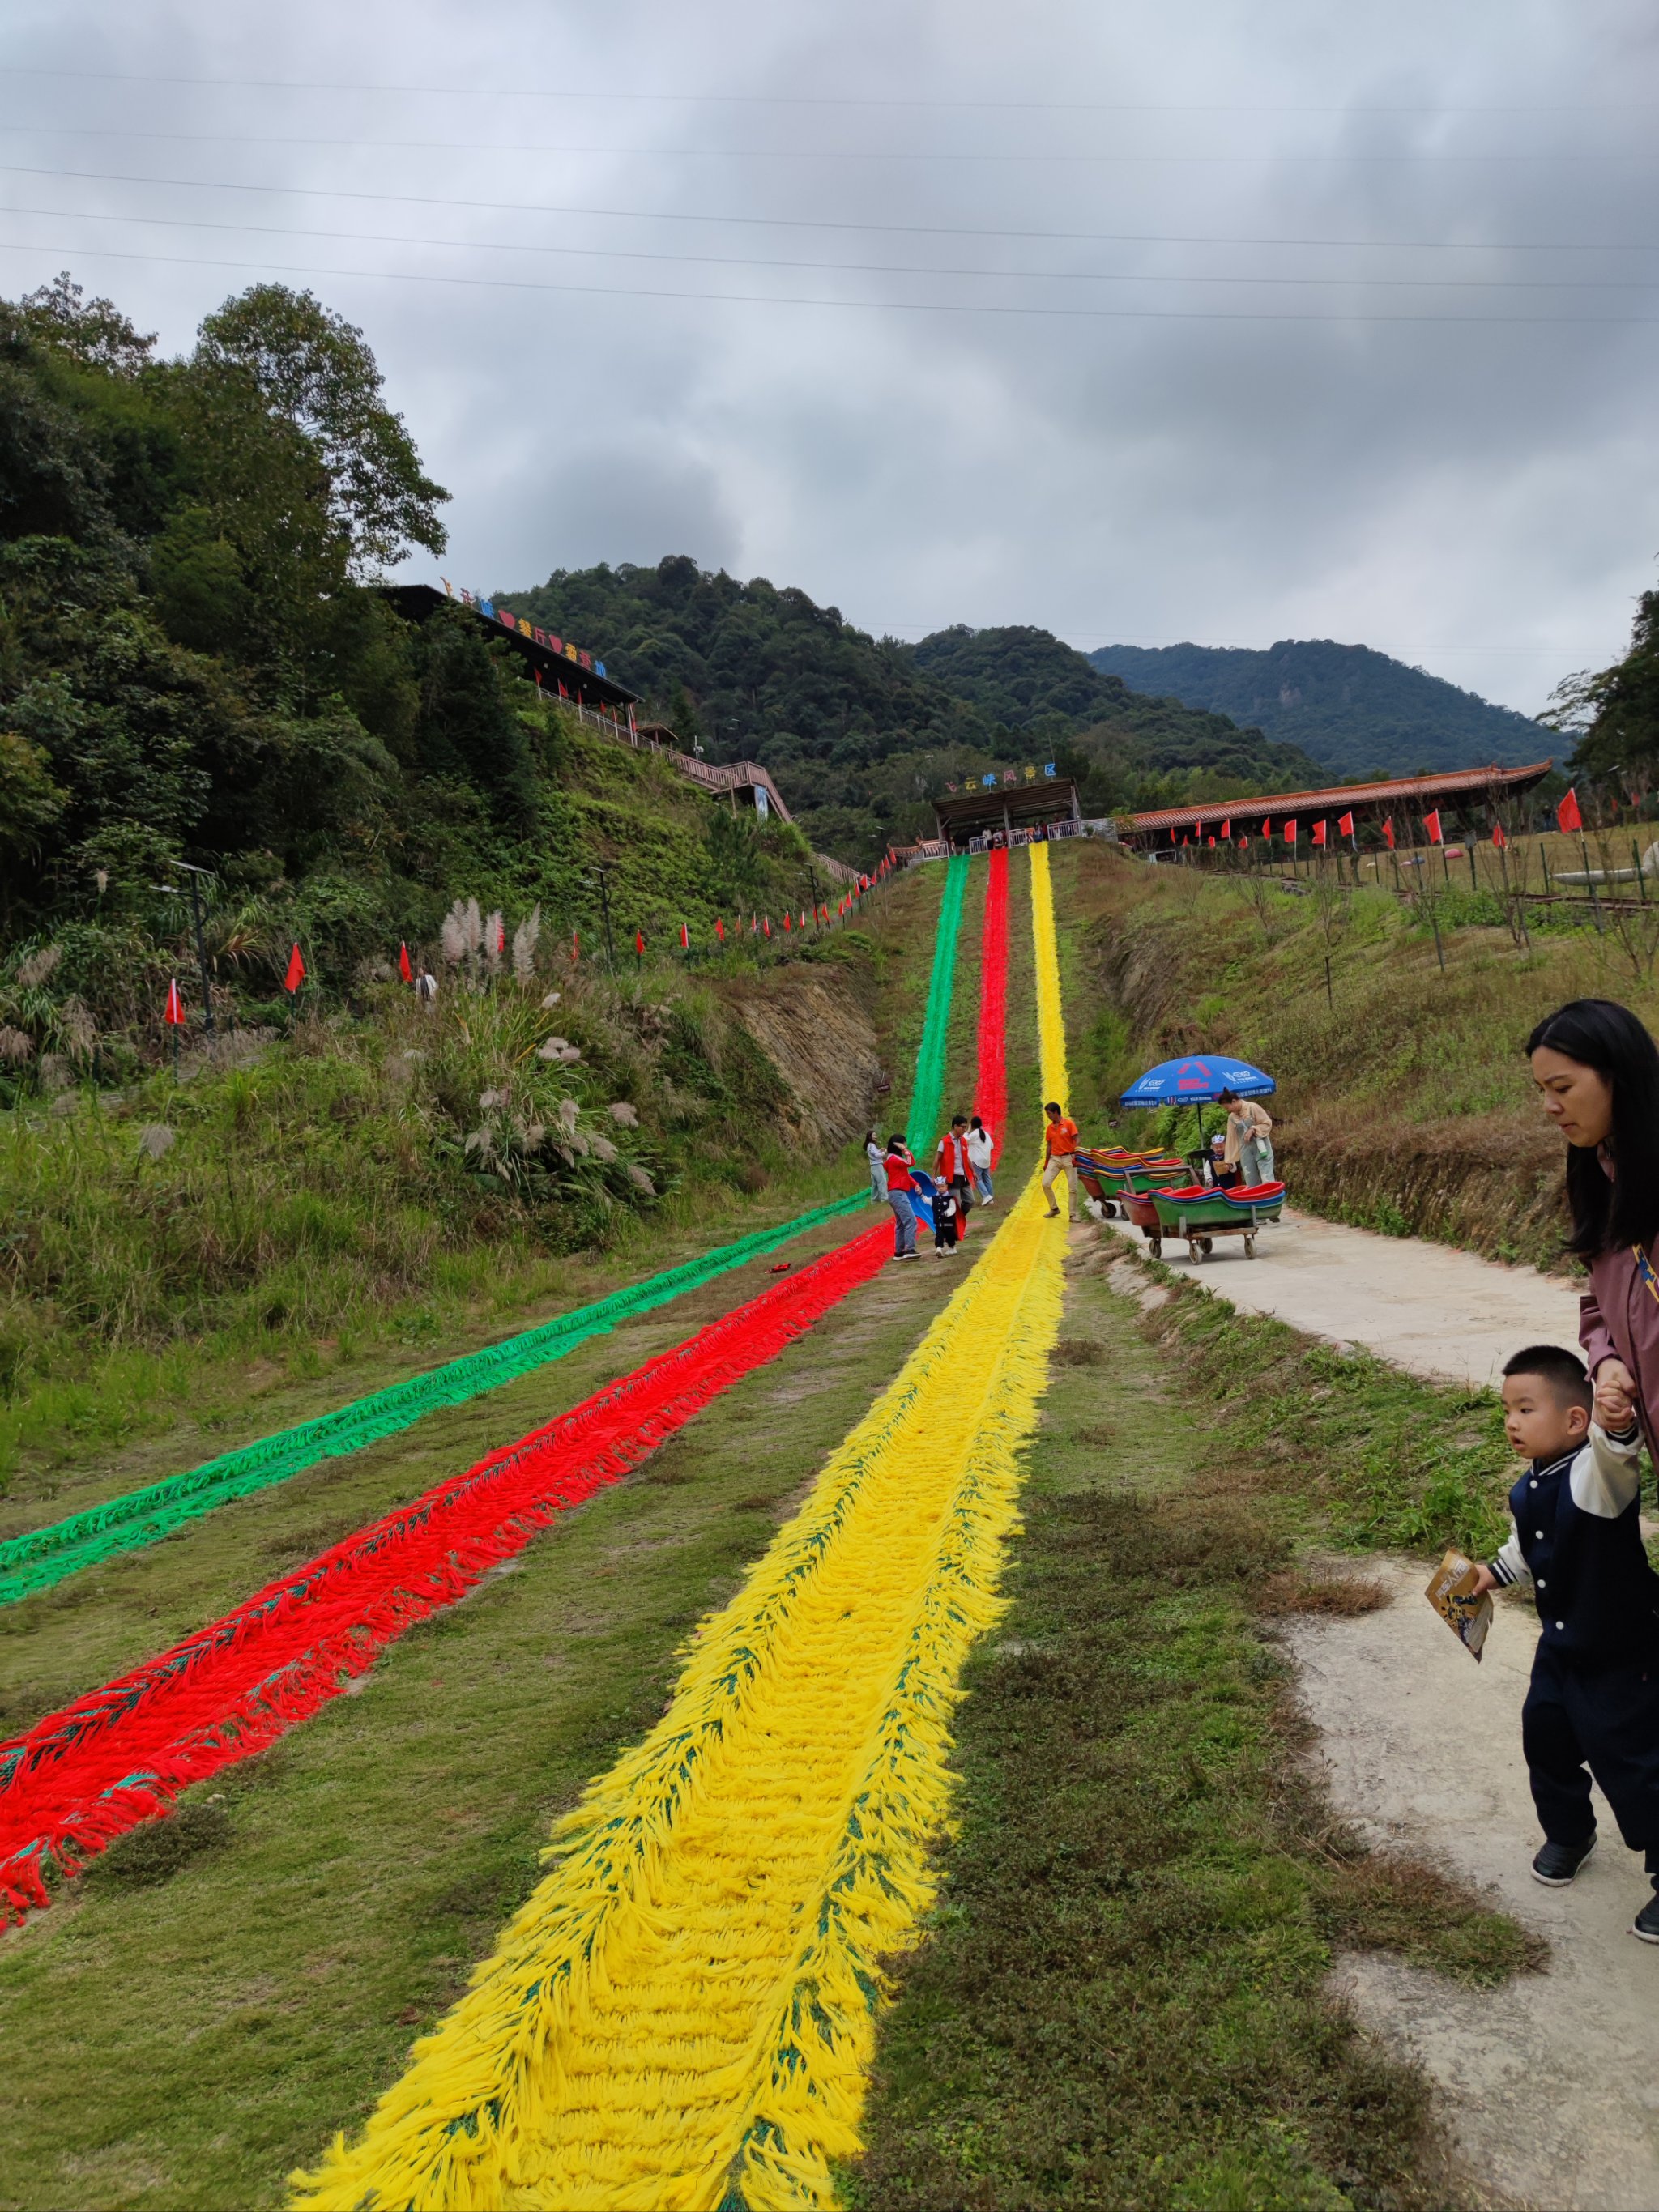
1485,1580
1615,1396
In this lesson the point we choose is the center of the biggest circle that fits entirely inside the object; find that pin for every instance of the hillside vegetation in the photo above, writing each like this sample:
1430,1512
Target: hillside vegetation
862,732
1357,712
1404,1102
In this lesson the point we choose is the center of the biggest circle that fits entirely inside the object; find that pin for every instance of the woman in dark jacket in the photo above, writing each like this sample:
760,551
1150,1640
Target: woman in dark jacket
1598,1070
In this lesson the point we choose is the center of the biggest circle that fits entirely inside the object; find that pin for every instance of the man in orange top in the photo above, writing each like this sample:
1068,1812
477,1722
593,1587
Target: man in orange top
1059,1158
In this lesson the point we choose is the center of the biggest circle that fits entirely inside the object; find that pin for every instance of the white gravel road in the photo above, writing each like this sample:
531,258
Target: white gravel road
1429,1308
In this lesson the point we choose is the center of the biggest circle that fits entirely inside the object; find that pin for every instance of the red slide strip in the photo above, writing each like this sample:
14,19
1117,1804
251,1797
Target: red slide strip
120,1755
991,1094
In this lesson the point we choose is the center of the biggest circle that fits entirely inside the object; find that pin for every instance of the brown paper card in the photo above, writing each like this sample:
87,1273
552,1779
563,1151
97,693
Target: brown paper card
1451,1593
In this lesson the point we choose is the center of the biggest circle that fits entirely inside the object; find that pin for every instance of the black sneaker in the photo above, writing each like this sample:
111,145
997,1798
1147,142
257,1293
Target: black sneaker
1556,1863
1646,1922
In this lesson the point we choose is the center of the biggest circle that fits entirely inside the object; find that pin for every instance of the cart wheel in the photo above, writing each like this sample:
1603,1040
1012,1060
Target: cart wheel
1193,1252
1110,1210
1157,1245
1206,1245
1249,1248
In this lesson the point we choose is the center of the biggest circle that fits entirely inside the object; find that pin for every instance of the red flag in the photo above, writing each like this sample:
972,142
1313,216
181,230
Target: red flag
297,971
1290,833
719,929
685,938
1388,833
1497,836
500,937
1212,842
787,922
766,925
1432,824
1267,829
1319,833
1344,824
575,946
403,968
175,1013
1567,816
1227,828
1244,844
638,943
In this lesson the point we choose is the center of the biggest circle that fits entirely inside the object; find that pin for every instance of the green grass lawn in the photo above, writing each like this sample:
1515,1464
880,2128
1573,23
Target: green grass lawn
1122,2000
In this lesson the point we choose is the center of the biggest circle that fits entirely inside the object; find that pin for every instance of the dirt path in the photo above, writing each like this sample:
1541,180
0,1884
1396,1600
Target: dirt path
1550,2083
1429,1308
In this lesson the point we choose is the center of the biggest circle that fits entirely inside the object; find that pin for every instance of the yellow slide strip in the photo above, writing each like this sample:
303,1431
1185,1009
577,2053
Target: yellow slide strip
683,2015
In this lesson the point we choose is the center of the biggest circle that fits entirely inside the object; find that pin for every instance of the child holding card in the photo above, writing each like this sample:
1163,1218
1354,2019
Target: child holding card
1594,1700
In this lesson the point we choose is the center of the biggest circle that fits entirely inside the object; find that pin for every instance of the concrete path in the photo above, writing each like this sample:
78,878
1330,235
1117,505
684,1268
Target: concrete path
1552,2087
1429,1308
1551,2084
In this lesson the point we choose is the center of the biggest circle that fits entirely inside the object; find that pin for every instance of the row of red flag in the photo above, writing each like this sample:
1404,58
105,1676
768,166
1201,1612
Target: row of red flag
759,925
1567,818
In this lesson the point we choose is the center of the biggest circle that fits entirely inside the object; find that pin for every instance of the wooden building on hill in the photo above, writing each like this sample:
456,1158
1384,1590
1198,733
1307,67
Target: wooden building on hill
1473,796
968,819
562,670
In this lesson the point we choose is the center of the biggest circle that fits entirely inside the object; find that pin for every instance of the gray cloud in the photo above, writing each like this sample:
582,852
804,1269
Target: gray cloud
1374,445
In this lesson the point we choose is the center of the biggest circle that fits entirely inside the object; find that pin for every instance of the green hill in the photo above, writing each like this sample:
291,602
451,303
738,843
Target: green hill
1355,711
861,732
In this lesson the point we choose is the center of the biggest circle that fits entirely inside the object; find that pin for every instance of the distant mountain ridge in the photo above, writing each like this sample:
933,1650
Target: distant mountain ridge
1352,709
862,732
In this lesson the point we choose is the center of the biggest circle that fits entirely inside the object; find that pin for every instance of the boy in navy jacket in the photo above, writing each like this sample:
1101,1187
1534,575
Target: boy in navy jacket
1594,1700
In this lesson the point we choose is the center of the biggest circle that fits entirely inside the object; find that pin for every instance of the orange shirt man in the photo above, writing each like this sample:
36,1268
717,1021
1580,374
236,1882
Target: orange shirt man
1060,1157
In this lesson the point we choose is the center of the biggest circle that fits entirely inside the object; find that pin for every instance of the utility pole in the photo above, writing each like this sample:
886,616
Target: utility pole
603,873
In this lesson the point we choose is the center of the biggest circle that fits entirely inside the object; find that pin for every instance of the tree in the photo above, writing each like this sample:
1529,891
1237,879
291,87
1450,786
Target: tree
1615,712
315,370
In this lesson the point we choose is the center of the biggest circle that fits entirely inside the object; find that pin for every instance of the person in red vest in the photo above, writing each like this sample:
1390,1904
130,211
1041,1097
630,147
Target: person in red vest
952,1166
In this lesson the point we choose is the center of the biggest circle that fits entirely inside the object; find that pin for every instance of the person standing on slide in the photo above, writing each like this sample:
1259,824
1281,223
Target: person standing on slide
898,1163
951,1167
979,1159
1058,1158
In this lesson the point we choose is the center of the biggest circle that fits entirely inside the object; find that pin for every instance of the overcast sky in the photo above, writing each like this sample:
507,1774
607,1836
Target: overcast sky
1228,323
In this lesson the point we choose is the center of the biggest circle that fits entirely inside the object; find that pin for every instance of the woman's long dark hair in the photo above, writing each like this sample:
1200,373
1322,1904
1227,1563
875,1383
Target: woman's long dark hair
1623,1208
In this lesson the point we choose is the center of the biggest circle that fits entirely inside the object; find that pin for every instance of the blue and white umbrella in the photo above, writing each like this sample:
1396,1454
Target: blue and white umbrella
1198,1081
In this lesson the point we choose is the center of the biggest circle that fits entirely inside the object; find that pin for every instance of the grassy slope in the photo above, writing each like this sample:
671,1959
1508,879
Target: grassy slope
312,1231
1122,2001
184,2042
1404,1102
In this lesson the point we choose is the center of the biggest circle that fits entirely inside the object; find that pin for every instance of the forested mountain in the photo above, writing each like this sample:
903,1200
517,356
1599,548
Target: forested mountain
861,732
197,670
1028,680
1356,712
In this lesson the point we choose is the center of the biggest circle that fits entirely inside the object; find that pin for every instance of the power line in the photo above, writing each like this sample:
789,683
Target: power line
802,222
787,300
996,101
541,147
850,154
859,268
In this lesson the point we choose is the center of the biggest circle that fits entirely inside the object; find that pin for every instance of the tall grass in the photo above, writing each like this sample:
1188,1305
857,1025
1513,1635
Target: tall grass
361,1180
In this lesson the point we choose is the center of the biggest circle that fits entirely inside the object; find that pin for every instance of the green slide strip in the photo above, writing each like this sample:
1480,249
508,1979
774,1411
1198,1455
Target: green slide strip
926,1100
45,1556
